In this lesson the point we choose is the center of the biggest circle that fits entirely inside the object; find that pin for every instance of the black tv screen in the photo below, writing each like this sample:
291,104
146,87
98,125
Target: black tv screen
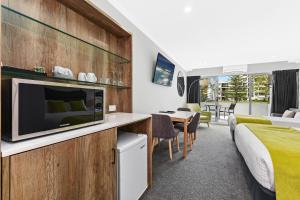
164,70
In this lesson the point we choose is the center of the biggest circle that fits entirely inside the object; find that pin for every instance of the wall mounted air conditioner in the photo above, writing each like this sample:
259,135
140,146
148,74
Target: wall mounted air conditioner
235,69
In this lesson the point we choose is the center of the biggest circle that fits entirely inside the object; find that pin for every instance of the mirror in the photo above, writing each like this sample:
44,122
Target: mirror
180,83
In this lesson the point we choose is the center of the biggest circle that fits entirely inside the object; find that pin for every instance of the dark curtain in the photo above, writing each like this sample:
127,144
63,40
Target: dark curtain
193,89
285,90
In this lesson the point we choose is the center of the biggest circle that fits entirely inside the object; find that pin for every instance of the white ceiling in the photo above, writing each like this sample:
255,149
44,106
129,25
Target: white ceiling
219,32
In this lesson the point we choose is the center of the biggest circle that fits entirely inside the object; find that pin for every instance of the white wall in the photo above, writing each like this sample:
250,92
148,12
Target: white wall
252,68
147,97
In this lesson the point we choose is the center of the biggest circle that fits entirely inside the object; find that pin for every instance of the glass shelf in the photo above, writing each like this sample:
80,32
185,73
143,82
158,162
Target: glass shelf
21,22
37,76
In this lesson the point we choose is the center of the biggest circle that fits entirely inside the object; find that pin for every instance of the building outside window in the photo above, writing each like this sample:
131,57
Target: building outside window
251,93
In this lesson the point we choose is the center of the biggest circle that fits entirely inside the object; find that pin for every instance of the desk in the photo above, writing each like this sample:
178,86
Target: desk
184,117
133,122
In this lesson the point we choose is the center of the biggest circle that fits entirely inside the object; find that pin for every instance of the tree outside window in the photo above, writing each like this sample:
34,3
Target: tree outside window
203,90
261,88
237,88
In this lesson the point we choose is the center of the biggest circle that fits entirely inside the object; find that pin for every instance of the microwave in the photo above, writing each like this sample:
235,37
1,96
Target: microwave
33,108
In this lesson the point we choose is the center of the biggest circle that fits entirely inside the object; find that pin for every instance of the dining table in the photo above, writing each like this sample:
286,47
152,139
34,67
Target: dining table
183,117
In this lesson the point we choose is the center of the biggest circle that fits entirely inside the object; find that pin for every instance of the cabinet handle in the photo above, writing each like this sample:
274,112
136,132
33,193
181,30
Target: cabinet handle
114,156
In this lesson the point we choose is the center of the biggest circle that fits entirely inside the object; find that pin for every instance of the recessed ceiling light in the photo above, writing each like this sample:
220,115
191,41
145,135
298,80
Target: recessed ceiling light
187,9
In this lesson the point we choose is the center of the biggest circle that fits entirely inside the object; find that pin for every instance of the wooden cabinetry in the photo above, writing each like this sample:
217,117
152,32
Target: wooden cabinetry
98,166
81,168
41,173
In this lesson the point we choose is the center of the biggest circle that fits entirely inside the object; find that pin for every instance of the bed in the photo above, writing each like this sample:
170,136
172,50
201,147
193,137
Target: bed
289,122
256,156
257,159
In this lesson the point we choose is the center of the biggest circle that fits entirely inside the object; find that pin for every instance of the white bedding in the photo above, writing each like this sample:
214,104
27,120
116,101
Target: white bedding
256,156
289,122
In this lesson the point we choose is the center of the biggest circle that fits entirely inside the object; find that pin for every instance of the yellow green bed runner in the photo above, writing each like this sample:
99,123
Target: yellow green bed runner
251,119
283,144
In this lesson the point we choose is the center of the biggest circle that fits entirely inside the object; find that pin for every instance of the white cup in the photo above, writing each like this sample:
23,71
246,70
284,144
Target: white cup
58,69
62,72
91,77
82,76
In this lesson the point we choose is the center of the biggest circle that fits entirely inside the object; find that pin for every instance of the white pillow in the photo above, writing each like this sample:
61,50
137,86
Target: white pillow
288,114
297,115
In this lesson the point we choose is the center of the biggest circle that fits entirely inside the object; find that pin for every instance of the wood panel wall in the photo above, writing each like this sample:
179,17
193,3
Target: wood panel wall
26,49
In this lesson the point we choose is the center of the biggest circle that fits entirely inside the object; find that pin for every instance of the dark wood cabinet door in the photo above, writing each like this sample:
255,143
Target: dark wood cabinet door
98,168
46,173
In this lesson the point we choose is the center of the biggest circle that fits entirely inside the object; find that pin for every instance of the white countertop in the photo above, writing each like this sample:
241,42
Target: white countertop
112,121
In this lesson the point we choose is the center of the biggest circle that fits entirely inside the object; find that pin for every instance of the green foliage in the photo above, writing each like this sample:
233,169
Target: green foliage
203,90
237,88
261,87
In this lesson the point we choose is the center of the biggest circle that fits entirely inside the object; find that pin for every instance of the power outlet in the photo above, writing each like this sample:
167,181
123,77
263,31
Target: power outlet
112,108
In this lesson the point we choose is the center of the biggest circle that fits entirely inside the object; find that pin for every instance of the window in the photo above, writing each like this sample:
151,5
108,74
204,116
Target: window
251,93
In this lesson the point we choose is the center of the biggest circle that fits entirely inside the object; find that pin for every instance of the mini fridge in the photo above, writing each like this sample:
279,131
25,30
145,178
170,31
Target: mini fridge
132,165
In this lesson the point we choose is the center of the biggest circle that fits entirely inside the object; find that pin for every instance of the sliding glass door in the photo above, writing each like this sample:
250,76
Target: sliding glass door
260,95
235,95
209,92
241,94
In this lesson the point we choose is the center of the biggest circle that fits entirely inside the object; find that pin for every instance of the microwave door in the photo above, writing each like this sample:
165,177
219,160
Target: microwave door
99,105
40,108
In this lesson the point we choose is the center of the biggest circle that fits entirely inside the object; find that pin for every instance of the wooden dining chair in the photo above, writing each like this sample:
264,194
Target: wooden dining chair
162,127
192,128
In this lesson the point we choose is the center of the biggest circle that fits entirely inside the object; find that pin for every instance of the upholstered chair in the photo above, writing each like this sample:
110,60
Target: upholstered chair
162,128
192,128
205,116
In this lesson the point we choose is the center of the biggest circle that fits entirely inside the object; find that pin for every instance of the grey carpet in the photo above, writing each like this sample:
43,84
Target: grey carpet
212,171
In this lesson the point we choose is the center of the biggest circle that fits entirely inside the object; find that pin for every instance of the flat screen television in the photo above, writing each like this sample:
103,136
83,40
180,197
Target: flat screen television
164,70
